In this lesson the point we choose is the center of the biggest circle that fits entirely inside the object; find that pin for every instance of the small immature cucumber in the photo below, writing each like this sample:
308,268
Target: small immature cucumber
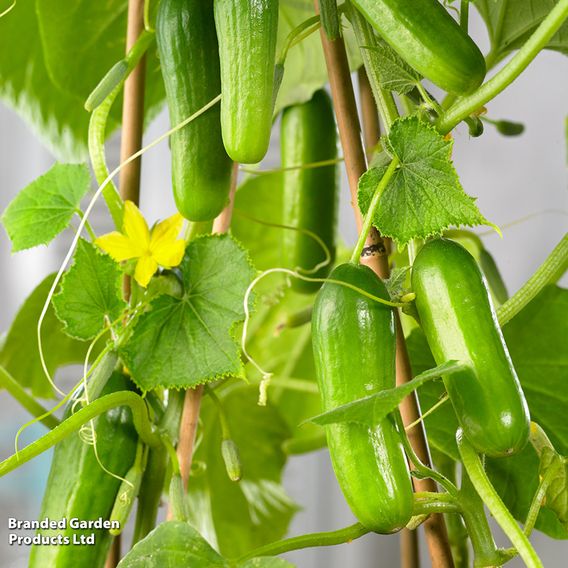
247,32
189,58
310,195
460,323
424,34
78,488
354,350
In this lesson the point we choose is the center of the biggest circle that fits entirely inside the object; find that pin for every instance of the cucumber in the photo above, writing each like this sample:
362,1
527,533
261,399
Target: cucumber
247,31
460,323
424,34
310,195
354,350
77,487
189,58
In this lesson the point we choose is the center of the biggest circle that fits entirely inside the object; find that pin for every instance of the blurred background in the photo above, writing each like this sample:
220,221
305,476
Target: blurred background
512,177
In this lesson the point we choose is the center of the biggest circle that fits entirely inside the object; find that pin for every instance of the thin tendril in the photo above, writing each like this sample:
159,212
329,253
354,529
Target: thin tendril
83,222
8,9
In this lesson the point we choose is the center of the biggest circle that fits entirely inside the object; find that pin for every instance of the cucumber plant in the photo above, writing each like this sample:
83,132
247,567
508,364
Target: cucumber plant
239,331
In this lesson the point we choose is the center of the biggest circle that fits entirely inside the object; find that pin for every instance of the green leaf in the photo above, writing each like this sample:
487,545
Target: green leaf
91,293
511,22
173,544
19,354
373,408
242,516
424,197
536,338
52,54
394,73
304,70
187,341
45,207
516,480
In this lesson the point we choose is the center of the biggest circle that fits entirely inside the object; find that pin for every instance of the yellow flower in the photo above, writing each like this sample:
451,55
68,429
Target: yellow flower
158,247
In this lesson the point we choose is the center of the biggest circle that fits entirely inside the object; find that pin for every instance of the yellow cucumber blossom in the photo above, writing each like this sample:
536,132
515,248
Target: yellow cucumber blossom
158,247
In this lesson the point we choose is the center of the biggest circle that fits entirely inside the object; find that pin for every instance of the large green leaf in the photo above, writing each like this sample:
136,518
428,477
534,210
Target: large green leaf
424,196
256,510
52,54
183,342
91,293
45,207
511,22
19,354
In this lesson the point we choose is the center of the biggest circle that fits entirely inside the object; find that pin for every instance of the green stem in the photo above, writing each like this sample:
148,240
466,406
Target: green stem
422,470
27,401
225,430
484,550
330,538
464,15
367,39
310,25
457,533
299,385
330,19
541,36
87,225
493,502
124,398
368,221
539,496
97,131
549,272
428,503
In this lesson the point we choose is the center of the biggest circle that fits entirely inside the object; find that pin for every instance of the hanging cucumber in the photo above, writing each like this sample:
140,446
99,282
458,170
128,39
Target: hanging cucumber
189,58
354,349
247,33
424,34
459,322
310,195
79,489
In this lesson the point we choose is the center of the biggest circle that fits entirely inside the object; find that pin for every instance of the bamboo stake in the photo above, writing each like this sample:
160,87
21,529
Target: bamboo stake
371,126
130,143
374,255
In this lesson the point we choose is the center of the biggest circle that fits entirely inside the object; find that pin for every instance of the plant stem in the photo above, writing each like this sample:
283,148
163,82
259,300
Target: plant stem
463,107
330,538
368,221
135,402
464,15
549,272
493,502
26,400
539,497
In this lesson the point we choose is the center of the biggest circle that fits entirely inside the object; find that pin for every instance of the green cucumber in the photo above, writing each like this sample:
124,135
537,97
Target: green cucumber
189,58
424,34
79,489
310,195
354,349
460,323
247,32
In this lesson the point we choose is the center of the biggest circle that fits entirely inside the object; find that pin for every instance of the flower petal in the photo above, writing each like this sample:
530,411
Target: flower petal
166,231
135,226
145,269
118,246
170,255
